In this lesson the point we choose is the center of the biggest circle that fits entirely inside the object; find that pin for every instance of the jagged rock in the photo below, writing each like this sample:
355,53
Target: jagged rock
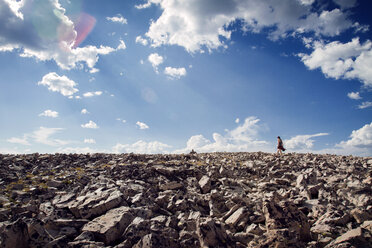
193,200
108,228
14,234
359,215
285,215
357,237
211,233
95,203
237,216
171,186
205,184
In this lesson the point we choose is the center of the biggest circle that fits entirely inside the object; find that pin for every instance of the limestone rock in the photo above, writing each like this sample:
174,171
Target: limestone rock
108,228
205,184
14,234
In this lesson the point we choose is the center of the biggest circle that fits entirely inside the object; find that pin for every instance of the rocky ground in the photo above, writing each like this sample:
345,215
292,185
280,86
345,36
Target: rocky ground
195,200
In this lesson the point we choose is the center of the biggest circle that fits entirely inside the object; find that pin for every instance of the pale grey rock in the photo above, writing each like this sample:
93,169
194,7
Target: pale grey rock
205,184
109,227
237,216
95,203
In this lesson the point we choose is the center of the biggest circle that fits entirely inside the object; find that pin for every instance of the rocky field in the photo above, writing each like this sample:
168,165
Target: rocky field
194,200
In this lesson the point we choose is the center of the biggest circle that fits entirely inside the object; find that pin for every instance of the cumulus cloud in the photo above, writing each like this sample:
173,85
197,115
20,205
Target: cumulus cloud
365,105
91,94
302,142
90,124
141,125
351,60
61,84
84,111
49,113
361,138
118,18
142,147
243,138
195,24
89,141
41,30
141,40
155,60
175,73
354,95
237,120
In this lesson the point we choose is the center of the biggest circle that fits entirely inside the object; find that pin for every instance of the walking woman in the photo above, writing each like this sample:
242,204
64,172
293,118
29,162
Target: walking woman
281,149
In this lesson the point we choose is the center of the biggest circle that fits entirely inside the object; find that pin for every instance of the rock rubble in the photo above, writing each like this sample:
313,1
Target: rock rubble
193,200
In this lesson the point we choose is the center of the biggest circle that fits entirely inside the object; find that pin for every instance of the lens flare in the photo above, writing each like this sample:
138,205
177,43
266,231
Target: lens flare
84,25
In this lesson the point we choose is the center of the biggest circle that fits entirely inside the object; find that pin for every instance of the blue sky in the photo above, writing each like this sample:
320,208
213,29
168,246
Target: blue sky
165,76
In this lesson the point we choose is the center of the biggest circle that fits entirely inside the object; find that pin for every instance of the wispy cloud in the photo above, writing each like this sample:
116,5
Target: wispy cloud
302,142
91,94
365,105
89,141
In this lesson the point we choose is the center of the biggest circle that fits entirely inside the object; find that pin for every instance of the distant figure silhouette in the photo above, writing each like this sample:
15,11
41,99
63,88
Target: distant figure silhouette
281,149
192,152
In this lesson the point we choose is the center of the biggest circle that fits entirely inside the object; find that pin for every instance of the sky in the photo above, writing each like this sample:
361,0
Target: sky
169,76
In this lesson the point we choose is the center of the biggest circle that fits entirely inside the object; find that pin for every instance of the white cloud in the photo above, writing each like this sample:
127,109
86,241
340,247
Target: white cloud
142,147
350,60
118,18
41,30
84,111
141,40
243,138
354,95
78,150
141,125
93,70
155,60
365,105
89,141
61,84
346,4
307,2
91,94
195,24
90,124
302,142
21,141
175,72
361,138
49,113
15,6
42,136
121,46
237,120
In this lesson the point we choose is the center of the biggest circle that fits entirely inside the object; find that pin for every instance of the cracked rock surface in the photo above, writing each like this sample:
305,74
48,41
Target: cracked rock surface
193,200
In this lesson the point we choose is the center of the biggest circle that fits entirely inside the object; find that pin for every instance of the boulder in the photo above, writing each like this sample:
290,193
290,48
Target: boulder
109,227
14,234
